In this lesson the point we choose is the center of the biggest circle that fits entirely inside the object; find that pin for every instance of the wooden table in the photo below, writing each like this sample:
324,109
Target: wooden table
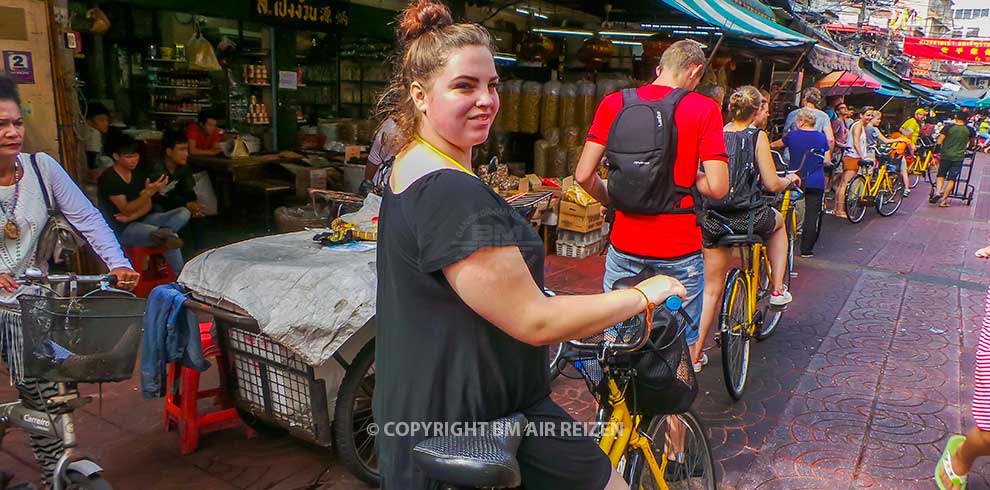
227,172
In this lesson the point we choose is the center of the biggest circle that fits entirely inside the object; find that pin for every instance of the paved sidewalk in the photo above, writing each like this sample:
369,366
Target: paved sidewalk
858,389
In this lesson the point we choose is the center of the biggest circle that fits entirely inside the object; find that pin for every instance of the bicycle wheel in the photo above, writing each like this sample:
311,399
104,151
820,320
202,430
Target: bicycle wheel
734,332
770,316
889,202
856,199
680,445
932,173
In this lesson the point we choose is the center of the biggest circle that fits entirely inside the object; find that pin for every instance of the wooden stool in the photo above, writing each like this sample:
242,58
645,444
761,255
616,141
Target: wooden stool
267,189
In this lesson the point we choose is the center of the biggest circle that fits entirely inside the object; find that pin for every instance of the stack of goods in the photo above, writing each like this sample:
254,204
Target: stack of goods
580,227
511,98
256,75
529,107
257,113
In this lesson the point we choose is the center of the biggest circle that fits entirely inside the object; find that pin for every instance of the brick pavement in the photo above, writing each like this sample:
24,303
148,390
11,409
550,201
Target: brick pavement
858,389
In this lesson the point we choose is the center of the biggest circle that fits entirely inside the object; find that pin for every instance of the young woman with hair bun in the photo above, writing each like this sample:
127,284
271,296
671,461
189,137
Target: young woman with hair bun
744,210
462,318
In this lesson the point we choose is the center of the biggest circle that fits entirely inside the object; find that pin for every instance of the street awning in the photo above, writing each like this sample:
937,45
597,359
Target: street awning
828,60
924,82
847,83
737,20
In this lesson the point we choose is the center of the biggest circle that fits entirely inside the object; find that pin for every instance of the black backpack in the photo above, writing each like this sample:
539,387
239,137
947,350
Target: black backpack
641,149
745,189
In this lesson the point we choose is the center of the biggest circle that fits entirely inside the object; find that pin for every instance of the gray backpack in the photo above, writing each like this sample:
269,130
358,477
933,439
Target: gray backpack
745,189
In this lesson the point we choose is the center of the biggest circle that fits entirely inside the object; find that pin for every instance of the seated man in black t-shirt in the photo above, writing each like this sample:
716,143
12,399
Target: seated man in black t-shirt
180,191
125,198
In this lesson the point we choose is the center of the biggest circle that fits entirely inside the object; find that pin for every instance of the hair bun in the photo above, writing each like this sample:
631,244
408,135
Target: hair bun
421,17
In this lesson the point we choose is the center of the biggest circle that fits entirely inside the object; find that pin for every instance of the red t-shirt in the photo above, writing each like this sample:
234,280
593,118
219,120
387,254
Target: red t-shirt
699,138
199,139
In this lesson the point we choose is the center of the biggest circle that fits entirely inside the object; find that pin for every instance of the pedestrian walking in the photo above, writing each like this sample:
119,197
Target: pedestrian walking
956,137
961,451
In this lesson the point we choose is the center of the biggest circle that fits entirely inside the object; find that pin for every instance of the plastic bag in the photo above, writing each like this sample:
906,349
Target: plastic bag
529,107
575,193
586,103
240,149
200,54
550,107
568,105
99,22
205,194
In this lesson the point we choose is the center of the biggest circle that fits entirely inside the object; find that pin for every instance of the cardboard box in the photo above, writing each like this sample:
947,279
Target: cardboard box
352,151
307,178
580,224
582,219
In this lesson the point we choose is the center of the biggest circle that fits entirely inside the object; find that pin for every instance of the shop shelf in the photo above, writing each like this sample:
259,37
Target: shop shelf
179,88
167,113
258,84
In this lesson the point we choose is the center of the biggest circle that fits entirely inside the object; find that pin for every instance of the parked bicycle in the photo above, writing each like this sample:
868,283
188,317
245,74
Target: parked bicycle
72,339
881,187
923,163
650,435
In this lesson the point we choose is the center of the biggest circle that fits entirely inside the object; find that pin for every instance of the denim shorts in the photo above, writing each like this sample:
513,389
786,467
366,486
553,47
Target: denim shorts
689,270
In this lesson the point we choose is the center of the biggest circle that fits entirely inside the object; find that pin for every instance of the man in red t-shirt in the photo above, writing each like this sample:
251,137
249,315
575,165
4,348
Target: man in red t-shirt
204,137
670,243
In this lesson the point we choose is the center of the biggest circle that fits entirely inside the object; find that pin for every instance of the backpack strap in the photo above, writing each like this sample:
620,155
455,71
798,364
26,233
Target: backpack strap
629,97
41,183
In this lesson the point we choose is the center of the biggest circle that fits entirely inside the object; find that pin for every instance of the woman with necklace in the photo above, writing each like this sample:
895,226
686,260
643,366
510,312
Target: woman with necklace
23,216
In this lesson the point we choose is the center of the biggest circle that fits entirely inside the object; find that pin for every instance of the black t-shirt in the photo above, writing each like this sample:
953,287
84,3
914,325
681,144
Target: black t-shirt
180,189
110,184
436,359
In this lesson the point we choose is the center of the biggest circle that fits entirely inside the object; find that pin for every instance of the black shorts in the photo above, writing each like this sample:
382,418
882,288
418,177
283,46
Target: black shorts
949,169
764,221
563,462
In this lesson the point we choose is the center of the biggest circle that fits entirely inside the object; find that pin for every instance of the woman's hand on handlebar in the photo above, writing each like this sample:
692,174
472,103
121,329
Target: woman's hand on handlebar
8,283
659,288
127,278
794,179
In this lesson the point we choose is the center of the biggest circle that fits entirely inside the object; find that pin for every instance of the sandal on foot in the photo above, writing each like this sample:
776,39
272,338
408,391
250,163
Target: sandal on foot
945,464
943,204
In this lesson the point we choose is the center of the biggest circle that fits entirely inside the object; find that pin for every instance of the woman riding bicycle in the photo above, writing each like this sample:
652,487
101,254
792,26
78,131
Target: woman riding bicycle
463,321
744,210
25,214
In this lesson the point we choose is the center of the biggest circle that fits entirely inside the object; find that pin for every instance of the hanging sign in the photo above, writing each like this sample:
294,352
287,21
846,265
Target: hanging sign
19,66
964,50
315,14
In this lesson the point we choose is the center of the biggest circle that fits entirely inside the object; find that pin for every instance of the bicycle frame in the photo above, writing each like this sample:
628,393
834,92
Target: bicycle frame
622,432
880,180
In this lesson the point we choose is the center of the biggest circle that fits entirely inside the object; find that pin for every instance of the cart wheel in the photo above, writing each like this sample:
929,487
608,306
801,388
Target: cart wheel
352,415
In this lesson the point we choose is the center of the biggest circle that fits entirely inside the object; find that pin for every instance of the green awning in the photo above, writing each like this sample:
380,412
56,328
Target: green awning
739,21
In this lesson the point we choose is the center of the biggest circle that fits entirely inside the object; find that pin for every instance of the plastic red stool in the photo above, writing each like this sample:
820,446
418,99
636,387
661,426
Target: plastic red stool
151,264
182,395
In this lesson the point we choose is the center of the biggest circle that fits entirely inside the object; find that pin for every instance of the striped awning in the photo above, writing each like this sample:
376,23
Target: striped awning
742,22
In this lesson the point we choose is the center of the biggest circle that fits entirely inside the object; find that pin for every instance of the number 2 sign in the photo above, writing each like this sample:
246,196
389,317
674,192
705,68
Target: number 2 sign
19,66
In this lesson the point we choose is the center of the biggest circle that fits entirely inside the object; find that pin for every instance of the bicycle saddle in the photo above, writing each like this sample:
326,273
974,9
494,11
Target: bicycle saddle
484,461
629,282
733,240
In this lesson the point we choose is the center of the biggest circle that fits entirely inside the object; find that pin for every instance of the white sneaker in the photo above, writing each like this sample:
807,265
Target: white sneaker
781,298
701,363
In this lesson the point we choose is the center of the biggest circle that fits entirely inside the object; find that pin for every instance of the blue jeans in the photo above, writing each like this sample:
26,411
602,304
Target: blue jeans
689,270
138,233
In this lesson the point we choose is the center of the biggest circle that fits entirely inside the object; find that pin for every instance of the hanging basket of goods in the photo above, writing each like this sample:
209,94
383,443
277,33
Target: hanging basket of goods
596,51
537,47
654,46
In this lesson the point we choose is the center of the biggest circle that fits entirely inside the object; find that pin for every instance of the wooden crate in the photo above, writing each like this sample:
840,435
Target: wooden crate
575,251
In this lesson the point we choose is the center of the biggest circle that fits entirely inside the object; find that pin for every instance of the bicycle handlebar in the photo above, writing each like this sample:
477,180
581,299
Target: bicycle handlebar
33,275
674,304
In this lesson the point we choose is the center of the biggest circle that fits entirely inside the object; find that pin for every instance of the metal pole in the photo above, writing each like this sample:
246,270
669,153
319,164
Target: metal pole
712,55
859,27
794,68
885,104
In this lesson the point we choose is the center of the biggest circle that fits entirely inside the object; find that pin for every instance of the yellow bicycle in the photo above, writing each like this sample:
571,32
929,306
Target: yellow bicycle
881,187
925,163
746,311
651,449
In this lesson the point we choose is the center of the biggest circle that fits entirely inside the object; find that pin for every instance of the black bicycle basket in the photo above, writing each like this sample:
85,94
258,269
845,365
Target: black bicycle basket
662,381
93,339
